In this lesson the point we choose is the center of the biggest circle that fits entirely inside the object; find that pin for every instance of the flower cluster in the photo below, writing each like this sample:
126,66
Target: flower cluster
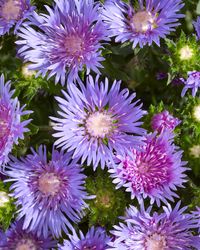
171,229
99,125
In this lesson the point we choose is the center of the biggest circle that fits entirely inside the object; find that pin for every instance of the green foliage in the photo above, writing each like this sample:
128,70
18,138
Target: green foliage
7,207
183,55
109,203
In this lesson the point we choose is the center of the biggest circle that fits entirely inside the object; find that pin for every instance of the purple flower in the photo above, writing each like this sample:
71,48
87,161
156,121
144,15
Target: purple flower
13,13
164,120
192,82
11,127
155,170
97,122
18,238
197,216
197,27
142,230
95,238
67,40
49,194
148,23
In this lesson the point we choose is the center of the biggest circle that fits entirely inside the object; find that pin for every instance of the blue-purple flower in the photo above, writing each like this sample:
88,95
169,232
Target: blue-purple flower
16,238
50,194
192,82
196,215
197,27
143,230
164,121
95,238
11,127
64,41
13,13
155,170
144,24
96,122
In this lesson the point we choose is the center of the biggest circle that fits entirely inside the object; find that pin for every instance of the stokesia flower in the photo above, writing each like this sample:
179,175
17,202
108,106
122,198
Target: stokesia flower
95,239
11,127
197,27
192,82
155,170
13,13
144,24
96,121
67,40
196,215
163,121
16,238
50,195
144,230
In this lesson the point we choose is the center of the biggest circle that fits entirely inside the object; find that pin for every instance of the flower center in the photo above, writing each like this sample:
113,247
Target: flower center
10,10
26,244
186,53
143,21
3,128
4,198
73,45
99,124
49,184
196,113
155,242
195,151
104,200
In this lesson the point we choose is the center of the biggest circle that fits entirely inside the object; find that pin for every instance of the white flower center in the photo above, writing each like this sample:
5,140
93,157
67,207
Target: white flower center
26,244
143,21
155,242
73,45
99,124
186,53
27,72
195,151
4,198
3,128
10,10
49,184
196,113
